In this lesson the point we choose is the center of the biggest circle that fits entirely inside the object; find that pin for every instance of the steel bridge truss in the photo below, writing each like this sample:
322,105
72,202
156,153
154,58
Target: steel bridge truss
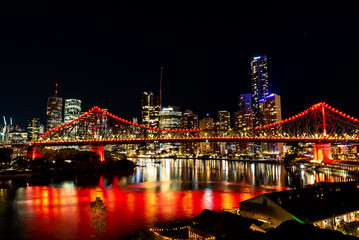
319,121
100,125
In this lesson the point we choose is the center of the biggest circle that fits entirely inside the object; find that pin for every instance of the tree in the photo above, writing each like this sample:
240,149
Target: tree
5,155
98,216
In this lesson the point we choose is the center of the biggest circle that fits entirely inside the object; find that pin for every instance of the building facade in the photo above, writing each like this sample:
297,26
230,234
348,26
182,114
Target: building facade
33,129
170,117
270,112
150,110
189,120
259,82
72,109
53,112
245,101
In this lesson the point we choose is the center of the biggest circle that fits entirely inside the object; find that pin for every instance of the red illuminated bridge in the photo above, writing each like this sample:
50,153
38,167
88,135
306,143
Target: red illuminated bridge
319,124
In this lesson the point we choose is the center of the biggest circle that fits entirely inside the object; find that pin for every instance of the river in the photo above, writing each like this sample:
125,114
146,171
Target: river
155,193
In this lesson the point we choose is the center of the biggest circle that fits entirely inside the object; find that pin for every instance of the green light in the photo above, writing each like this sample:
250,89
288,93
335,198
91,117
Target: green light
298,219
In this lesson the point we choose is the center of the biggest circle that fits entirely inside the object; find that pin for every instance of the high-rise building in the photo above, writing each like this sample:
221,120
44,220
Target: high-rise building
245,101
224,120
150,110
207,124
270,112
54,111
243,122
259,79
72,109
170,117
189,120
33,129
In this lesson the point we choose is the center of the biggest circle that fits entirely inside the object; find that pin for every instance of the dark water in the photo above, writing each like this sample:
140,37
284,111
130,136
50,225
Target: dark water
55,208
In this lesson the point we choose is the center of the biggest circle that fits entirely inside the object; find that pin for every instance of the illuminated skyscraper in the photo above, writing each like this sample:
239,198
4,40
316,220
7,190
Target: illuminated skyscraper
33,129
72,109
270,112
54,111
245,101
259,78
170,117
224,120
150,109
189,120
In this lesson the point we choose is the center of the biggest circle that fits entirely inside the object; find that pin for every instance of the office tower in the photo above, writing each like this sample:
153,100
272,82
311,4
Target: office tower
243,122
189,120
259,79
207,124
245,101
72,109
170,117
224,120
270,112
54,111
33,129
150,110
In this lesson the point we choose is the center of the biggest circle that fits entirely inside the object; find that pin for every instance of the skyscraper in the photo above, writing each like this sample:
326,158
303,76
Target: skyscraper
189,120
33,129
150,109
170,117
270,112
259,79
245,101
224,120
72,109
54,111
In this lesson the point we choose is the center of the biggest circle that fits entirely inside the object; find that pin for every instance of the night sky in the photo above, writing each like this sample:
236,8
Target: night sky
107,55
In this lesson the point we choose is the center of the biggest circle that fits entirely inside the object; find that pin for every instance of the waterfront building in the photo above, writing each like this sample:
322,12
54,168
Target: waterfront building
330,204
33,129
54,111
243,126
189,120
150,110
206,124
17,135
72,109
259,82
170,118
270,112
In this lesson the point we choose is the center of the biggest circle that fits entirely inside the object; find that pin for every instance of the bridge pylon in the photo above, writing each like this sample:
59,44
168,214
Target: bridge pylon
99,150
34,152
322,152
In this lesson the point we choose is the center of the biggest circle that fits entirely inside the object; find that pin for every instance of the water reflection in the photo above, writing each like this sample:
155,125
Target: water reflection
58,208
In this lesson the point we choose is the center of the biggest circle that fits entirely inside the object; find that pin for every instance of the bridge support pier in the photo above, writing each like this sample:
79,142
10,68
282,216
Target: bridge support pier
322,152
34,152
99,150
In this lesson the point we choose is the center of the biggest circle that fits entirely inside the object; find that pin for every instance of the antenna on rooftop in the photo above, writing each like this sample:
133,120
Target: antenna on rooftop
4,120
161,87
56,90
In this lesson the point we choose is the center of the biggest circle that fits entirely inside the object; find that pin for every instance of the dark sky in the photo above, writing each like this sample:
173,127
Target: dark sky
107,55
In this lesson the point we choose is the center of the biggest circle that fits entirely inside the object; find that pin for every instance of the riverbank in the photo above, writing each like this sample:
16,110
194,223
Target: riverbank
66,169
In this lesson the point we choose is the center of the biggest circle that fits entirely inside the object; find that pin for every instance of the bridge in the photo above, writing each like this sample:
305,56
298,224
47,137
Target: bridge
320,124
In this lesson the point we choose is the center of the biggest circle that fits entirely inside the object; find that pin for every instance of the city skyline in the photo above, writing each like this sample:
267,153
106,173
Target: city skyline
109,59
